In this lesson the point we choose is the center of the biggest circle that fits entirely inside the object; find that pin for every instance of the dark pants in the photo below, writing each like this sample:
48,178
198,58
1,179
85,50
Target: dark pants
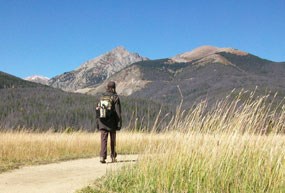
104,140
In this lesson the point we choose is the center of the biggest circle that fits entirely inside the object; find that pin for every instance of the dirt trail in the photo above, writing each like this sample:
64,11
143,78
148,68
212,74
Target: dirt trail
63,177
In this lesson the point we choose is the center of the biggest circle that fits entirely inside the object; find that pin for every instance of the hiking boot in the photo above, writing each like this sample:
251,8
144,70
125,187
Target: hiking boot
102,160
114,159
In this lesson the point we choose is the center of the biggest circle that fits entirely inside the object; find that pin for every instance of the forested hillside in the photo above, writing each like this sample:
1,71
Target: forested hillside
45,108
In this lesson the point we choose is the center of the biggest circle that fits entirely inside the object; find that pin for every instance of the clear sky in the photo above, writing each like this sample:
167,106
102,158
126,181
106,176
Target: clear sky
49,37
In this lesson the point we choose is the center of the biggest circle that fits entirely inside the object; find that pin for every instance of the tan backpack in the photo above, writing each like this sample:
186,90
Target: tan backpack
106,106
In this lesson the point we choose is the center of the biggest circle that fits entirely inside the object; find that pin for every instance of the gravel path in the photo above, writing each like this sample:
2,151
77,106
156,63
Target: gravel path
63,177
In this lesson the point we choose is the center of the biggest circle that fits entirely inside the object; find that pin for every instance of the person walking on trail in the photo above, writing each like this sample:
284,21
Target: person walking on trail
108,118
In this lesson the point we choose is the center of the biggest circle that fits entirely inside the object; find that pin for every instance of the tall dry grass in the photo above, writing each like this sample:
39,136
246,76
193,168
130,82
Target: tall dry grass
24,148
237,146
205,163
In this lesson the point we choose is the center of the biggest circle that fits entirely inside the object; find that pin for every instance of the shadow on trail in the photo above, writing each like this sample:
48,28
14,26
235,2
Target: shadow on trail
122,161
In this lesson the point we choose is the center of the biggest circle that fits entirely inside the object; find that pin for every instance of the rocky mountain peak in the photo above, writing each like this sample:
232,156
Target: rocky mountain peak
119,49
205,52
96,70
116,57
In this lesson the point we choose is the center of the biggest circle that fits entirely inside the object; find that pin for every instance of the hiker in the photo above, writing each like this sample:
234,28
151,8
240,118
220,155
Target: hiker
108,118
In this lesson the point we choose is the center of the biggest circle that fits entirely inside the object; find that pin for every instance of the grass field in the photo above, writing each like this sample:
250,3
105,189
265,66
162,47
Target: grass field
204,163
23,148
235,147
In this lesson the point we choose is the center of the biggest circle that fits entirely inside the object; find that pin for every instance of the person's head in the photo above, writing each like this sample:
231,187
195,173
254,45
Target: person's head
111,86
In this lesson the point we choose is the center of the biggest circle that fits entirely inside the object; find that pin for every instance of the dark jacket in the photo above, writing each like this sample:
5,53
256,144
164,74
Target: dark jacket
114,122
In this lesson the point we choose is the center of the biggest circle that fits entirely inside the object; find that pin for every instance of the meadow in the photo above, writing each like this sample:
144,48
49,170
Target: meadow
235,146
204,163
19,149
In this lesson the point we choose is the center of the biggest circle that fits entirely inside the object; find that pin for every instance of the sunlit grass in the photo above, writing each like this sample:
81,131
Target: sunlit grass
206,163
24,148
237,146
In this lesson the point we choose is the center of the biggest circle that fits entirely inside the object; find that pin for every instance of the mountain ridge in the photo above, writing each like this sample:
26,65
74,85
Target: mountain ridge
147,84
204,51
95,71
205,72
38,79
211,76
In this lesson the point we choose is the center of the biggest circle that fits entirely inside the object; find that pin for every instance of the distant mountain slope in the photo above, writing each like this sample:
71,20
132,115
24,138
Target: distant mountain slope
206,52
95,71
10,81
205,72
38,79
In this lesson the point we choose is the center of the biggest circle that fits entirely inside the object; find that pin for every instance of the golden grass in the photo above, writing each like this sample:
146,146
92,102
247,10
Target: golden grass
201,162
23,148
237,146
219,161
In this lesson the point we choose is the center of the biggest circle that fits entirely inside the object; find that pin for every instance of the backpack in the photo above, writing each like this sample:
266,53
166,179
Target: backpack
106,106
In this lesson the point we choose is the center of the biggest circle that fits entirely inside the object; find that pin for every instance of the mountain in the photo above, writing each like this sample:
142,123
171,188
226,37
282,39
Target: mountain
208,54
38,79
206,72
10,81
95,71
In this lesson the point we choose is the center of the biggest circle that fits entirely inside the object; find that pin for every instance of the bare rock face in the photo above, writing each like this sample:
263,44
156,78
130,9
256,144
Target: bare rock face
95,71
38,79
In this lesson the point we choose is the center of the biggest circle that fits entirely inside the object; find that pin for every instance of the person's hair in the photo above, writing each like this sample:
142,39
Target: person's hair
111,87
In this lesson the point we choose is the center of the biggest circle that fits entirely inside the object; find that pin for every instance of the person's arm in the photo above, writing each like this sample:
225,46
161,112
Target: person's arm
119,113
97,112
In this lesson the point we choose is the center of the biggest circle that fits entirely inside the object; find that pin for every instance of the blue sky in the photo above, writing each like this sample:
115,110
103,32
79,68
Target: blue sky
49,37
